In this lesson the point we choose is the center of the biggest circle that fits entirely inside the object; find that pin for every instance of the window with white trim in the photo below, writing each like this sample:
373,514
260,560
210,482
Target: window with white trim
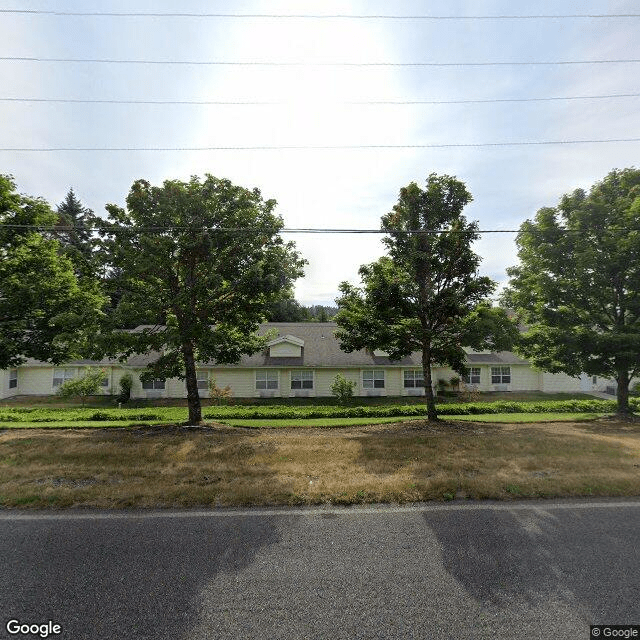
413,378
500,375
203,379
266,380
156,383
302,379
373,379
472,376
61,375
13,378
105,381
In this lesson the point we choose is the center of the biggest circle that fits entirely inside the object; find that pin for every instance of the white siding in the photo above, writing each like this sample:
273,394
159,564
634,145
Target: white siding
393,381
241,381
325,377
523,378
5,392
285,350
35,381
559,382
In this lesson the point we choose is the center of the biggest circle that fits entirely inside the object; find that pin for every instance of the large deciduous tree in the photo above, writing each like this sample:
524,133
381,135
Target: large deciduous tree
205,259
426,294
577,286
46,312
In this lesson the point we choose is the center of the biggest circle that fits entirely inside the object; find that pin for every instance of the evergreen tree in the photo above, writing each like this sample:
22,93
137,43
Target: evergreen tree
46,311
74,231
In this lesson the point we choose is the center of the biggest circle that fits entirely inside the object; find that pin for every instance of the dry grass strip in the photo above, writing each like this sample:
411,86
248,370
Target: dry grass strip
220,466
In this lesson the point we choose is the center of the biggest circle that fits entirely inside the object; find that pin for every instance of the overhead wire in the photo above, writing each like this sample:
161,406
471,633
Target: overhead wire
163,228
292,102
317,16
270,63
450,145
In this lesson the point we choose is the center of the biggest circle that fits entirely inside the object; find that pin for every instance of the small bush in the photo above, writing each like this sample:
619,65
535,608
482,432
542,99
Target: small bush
126,383
342,388
100,415
84,386
218,394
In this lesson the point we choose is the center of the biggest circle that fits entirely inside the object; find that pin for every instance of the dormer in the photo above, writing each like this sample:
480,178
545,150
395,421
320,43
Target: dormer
285,347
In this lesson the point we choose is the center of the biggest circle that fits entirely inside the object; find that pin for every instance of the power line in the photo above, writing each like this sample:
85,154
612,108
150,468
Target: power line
345,102
299,16
159,229
324,147
260,63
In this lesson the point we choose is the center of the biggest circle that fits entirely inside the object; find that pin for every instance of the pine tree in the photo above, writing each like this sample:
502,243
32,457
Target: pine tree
75,234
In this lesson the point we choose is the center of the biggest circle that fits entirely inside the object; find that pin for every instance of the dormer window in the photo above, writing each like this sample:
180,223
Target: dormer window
285,347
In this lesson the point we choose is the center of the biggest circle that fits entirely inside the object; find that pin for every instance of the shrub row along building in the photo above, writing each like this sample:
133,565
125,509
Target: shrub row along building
303,360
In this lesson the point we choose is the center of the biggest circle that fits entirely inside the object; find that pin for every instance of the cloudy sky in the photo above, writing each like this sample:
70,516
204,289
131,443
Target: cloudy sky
347,188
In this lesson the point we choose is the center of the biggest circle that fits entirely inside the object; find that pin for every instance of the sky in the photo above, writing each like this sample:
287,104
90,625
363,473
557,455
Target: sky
324,188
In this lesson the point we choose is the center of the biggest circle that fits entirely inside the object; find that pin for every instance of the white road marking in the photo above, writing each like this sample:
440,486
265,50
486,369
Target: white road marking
356,510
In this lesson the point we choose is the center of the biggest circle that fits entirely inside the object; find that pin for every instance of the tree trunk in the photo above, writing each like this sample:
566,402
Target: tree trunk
193,397
622,393
428,384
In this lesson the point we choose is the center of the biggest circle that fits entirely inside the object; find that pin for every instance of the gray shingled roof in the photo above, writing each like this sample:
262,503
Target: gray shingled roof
321,349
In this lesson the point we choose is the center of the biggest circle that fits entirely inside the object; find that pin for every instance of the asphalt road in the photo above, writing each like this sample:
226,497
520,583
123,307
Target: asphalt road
522,570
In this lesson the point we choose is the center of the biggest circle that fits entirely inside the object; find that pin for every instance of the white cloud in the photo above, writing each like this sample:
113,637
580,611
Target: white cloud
325,188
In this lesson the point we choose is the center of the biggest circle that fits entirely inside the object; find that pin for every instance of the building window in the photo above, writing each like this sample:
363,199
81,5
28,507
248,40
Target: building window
413,378
105,381
266,379
373,379
60,375
203,379
473,375
594,380
13,378
157,383
302,379
500,375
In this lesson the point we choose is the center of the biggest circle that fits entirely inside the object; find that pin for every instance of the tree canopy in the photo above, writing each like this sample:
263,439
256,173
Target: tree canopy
180,258
46,312
426,295
74,231
577,285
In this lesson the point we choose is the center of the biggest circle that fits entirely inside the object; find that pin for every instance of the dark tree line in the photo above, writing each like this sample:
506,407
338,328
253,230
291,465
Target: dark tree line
72,283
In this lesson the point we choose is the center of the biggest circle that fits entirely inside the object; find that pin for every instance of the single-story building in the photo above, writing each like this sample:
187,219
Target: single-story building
303,360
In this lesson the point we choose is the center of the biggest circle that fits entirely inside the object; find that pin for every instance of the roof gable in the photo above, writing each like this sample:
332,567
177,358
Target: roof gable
286,346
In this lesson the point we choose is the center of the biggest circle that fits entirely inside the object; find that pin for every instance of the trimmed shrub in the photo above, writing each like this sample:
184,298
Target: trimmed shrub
126,383
342,388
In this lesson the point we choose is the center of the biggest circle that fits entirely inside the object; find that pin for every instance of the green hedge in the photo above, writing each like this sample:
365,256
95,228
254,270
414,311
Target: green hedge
547,406
179,414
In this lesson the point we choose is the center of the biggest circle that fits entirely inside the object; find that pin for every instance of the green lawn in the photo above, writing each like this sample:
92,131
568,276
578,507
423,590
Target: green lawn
315,422
311,422
528,417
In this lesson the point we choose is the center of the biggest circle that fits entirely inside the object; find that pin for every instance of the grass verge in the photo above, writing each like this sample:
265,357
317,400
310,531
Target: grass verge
301,423
155,467
520,418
